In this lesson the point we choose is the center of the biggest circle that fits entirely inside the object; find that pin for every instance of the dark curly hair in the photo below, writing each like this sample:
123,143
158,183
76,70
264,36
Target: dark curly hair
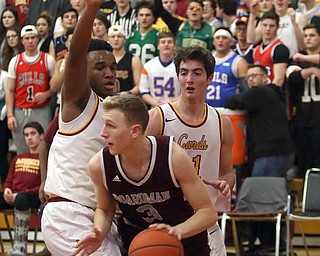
98,45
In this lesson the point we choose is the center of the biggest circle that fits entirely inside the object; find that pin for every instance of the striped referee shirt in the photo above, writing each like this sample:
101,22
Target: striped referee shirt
128,22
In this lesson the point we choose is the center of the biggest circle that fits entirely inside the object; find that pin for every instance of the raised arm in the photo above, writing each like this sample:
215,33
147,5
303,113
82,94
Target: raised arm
253,31
76,89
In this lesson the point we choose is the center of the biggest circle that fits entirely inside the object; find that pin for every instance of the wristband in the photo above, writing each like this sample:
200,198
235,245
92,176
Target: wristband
8,116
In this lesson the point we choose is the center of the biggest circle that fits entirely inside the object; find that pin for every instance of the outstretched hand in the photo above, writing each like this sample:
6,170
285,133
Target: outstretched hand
89,244
220,185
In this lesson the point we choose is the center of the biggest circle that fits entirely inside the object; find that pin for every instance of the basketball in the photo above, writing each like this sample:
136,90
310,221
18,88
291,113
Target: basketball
153,242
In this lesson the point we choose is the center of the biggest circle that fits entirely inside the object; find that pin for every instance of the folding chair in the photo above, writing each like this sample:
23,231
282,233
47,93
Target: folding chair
310,206
259,199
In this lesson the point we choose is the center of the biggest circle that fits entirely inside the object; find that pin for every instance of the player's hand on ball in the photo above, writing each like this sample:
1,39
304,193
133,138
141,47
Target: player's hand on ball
171,230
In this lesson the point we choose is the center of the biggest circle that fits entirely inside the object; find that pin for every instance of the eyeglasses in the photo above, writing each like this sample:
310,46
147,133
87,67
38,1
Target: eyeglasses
253,75
196,8
11,37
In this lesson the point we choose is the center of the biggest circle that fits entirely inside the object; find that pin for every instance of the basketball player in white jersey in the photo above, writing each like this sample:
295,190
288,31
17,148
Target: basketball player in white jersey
206,135
90,74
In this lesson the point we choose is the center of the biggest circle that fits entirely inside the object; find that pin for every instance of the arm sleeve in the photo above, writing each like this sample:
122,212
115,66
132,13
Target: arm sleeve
295,78
144,82
246,100
281,54
172,22
9,180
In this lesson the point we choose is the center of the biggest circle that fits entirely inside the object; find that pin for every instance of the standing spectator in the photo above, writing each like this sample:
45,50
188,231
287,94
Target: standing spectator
55,7
242,47
43,25
100,27
272,53
107,6
28,90
304,89
191,32
230,70
128,66
209,14
159,82
268,127
309,8
22,7
9,18
12,46
269,138
69,20
22,185
2,5
199,129
89,76
124,16
290,30
143,42
227,11
59,26
5,133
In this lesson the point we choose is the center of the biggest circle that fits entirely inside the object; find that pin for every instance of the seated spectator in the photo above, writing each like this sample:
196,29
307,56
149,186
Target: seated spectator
21,187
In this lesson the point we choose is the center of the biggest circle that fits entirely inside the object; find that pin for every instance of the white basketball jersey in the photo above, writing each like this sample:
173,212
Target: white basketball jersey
202,141
161,82
74,144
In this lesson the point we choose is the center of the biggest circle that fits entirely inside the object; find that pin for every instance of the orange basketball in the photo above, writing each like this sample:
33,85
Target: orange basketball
153,242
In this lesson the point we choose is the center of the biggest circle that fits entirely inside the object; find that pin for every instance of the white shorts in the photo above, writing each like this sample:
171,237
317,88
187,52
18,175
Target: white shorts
65,223
216,241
